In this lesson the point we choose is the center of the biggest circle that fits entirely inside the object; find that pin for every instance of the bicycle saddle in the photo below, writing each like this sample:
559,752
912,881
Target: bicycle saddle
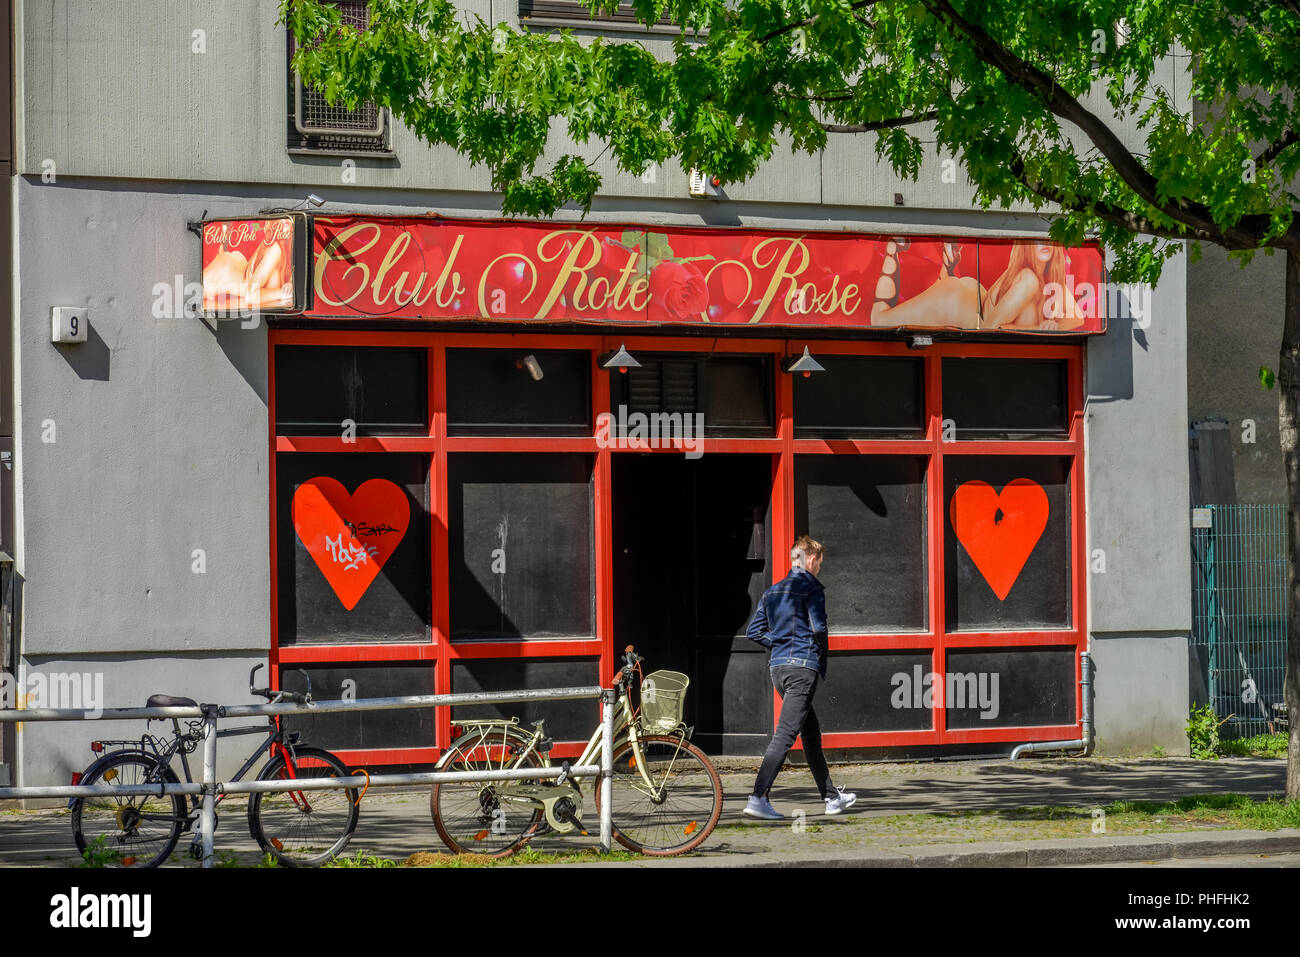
167,701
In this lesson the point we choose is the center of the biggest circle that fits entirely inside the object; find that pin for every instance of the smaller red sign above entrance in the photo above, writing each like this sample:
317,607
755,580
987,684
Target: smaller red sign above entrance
249,265
430,268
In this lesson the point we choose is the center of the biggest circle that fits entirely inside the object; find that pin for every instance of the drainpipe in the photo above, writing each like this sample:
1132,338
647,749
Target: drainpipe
1086,742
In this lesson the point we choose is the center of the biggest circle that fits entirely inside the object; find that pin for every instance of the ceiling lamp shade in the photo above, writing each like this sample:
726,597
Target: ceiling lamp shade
804,364
620,359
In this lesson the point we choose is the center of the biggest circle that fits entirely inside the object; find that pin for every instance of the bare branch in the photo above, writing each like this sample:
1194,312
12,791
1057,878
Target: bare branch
881,124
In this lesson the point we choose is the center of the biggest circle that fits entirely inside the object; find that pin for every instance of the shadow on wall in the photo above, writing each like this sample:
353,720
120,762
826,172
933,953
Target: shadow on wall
244,343
1110,357
89,359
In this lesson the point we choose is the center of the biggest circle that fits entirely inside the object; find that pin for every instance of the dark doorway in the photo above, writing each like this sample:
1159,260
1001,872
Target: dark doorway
692,555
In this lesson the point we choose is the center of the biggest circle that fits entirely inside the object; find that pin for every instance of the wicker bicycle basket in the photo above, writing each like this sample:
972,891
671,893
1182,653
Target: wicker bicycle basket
663,700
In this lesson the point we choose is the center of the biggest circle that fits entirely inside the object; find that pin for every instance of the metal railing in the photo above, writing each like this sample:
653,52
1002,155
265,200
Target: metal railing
210,787
1239,616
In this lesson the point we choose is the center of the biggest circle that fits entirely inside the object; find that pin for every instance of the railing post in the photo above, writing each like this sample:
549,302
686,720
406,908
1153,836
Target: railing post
608,701
208,818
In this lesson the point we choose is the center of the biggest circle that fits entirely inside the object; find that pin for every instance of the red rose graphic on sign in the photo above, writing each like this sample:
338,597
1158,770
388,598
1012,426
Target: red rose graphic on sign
677,292
350,537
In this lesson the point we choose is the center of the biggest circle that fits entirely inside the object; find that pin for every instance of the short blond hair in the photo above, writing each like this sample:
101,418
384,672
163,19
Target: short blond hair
805,546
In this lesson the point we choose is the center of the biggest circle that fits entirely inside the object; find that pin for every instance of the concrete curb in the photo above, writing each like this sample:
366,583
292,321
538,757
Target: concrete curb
1047,853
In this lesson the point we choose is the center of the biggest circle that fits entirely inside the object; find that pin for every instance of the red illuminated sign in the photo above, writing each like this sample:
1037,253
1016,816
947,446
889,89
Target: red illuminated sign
430,268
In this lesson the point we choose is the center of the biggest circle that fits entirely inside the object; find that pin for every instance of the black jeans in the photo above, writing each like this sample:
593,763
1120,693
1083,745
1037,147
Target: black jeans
796,685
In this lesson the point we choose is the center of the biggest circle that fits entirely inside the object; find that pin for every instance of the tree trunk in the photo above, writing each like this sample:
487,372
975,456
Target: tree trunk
1288,375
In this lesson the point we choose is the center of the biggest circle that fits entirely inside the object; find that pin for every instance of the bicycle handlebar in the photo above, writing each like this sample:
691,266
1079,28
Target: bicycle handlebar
275,697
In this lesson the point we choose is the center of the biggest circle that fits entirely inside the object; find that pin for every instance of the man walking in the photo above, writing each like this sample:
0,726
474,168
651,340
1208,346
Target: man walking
791,621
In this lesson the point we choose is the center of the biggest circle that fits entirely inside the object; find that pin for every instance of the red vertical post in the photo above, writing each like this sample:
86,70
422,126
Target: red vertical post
440,565
273,656
604,521
933,367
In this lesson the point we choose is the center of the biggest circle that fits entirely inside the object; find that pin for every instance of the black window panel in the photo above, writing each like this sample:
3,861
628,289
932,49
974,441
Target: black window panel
383,390
362,730
395,606
861,396
1039,593
522,546
734,392
573,720
870,513
872,691
737,394
488,393
1012,687
1006,398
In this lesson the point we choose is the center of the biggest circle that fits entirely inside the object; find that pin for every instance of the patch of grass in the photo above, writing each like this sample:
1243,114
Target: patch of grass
360,859
527,856
1237,810
1260,746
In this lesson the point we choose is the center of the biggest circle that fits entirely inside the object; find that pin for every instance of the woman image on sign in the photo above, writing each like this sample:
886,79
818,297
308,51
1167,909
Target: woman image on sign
1018,299
232,282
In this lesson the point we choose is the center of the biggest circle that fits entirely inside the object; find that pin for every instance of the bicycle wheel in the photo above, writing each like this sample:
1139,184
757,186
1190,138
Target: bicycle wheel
303,828
476,817
679,812
136,830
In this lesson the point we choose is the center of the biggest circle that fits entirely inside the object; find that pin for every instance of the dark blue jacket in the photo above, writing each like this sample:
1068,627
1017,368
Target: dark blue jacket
791,621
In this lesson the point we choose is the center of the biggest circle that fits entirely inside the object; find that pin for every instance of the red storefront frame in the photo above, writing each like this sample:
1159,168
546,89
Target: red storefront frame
782,447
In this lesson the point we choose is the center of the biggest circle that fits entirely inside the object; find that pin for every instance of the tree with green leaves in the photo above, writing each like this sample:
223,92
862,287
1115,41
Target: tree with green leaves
1038,100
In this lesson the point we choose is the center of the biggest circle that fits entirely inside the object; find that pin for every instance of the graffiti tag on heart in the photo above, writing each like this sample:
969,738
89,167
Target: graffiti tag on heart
999,529
350,536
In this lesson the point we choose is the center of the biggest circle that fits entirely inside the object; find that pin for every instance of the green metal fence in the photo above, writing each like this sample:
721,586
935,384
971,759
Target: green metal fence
1238,645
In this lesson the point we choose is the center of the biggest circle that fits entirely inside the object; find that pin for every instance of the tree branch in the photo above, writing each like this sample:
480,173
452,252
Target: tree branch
880,124
809,21
1286,140
1196,216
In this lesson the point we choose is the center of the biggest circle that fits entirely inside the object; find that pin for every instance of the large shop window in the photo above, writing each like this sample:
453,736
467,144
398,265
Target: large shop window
869,512
353,547
521,536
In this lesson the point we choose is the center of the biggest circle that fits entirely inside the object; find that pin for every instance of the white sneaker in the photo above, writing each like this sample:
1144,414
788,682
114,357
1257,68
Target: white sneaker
842,800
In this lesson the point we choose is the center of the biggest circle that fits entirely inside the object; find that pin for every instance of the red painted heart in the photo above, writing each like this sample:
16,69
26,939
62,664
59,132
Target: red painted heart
350,536
999,530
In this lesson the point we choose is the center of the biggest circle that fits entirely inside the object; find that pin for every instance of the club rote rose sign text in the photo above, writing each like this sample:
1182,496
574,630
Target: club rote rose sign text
431,268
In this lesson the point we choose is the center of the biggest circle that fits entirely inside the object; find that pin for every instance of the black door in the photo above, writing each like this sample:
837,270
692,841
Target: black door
692,555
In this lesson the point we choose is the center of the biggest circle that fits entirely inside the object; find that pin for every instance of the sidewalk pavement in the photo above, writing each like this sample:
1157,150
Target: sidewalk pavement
873,833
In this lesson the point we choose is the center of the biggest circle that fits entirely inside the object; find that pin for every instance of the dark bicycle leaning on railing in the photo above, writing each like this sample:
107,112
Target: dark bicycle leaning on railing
298,828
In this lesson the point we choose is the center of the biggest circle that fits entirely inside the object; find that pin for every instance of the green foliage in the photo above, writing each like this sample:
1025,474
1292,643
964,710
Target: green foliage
362,859
1260,746
97,854
1030,98
1267,377
1266,815
1203,732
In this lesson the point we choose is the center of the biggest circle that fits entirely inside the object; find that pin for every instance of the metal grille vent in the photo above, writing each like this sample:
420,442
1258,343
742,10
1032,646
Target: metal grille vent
663,386
315,124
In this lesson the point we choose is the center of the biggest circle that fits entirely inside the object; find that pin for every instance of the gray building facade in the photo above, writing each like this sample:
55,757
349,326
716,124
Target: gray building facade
142,465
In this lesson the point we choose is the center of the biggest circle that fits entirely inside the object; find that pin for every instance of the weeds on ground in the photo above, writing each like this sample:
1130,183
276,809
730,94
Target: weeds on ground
97,854
360,859
528,855
1203,732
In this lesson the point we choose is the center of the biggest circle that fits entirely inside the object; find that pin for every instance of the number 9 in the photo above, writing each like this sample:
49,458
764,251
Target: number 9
72,325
